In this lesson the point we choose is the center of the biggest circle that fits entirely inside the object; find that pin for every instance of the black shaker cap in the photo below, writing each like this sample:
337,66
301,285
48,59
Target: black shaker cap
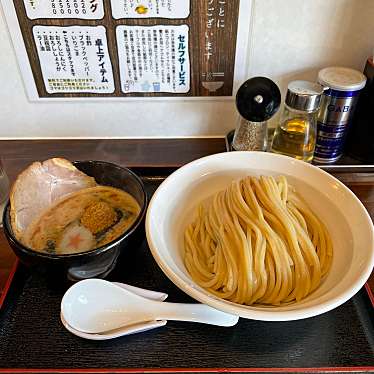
258,99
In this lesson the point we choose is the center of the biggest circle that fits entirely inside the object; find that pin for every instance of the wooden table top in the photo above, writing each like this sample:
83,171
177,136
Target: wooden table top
17,154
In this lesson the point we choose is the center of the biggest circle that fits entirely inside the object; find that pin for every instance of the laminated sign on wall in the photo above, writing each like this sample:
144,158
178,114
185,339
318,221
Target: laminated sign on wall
129,48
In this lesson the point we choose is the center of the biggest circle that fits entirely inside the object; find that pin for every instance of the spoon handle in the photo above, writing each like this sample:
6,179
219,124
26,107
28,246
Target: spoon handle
194,313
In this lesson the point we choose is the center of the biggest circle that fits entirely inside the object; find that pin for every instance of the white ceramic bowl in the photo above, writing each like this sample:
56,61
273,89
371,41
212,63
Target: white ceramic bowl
173,207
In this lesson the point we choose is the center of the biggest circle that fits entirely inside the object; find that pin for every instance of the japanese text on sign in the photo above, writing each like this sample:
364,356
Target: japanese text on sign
150,8
83,9
74,59
154,59
215,14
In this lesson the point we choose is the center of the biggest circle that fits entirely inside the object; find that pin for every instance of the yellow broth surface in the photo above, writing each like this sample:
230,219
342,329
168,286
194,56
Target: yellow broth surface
82,221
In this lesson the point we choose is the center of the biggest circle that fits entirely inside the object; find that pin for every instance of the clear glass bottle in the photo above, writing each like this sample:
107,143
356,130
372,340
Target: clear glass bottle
257,100
250,136
296,133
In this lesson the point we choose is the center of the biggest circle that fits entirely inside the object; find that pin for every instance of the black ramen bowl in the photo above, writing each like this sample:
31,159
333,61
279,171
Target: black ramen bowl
99,262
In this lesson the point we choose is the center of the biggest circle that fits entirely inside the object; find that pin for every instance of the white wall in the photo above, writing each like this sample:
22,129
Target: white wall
291,39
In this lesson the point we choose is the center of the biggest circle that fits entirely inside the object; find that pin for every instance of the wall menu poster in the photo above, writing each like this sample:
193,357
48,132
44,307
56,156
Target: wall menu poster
127,48
154,58
74,58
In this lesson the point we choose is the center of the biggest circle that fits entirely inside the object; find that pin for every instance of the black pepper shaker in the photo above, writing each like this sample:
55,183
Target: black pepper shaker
257,100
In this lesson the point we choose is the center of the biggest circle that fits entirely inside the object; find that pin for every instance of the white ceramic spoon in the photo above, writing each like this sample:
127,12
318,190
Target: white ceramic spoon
95,306
127,330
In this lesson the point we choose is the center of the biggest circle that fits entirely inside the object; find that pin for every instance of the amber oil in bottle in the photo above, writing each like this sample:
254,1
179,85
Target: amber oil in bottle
296,133
296,137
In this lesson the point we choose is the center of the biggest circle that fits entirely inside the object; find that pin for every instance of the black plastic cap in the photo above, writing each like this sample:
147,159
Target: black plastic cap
258,99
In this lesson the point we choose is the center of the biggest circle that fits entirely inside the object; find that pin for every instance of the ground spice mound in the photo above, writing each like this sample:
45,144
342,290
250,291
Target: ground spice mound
98,217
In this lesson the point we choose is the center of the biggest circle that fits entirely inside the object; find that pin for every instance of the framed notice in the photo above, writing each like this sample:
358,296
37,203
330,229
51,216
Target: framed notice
93,49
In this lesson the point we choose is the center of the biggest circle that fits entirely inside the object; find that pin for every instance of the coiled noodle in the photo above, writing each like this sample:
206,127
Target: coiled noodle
257,242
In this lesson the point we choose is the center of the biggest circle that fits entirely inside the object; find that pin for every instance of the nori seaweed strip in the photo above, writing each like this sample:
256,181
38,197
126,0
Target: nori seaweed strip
51,247
120,214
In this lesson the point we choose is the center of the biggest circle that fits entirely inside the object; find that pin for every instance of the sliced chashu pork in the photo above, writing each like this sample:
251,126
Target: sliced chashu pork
41,184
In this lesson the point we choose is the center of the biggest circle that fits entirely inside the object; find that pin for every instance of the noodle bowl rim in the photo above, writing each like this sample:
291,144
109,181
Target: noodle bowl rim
255,312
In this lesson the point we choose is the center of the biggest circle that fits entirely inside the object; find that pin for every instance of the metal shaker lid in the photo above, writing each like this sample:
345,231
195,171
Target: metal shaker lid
258,99
304,95
342,79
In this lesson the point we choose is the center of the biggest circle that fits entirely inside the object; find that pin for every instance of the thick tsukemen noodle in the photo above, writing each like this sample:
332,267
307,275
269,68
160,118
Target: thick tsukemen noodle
257,242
